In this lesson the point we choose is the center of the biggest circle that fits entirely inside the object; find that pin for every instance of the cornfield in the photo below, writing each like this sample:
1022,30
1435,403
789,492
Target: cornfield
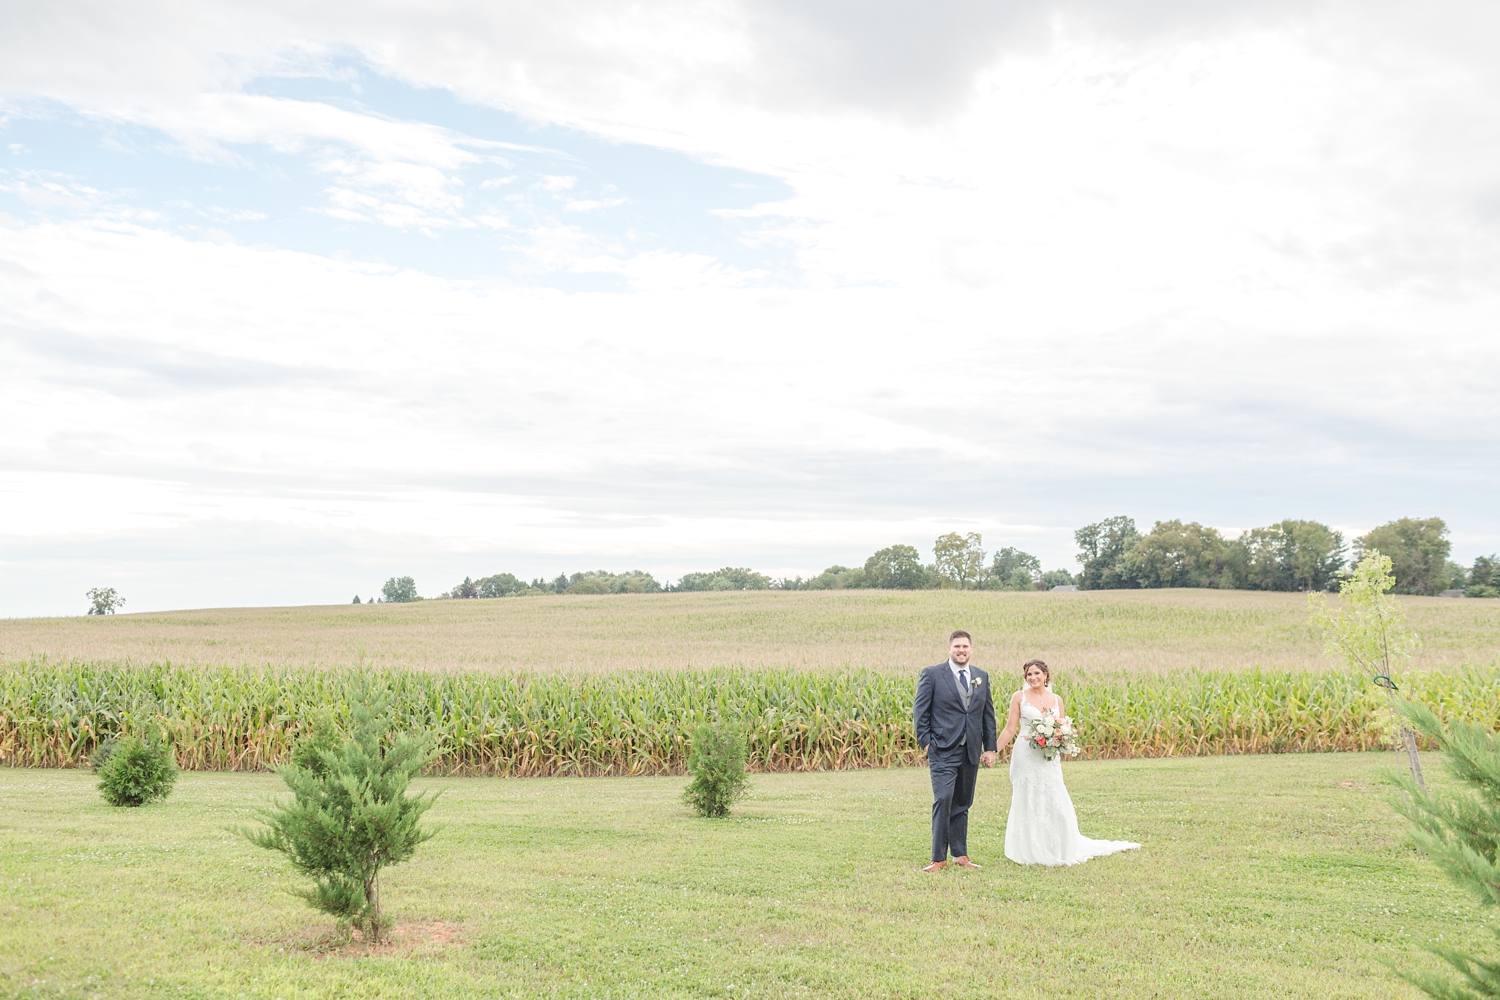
244,718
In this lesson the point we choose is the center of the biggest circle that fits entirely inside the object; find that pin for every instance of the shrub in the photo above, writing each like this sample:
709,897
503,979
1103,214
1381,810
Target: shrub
350,815
101,753
717,765
317,739
136,771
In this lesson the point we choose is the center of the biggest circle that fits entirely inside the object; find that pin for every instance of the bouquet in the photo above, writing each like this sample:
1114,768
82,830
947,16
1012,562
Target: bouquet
1053,736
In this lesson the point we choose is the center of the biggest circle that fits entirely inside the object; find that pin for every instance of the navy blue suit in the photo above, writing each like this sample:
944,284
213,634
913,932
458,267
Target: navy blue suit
954,734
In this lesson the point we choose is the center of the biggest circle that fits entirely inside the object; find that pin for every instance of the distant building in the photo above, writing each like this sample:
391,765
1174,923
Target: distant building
1452,593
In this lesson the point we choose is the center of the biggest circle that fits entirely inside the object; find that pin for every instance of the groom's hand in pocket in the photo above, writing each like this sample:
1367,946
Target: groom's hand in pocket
988,758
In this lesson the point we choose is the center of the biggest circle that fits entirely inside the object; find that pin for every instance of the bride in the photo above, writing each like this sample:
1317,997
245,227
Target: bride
1043,829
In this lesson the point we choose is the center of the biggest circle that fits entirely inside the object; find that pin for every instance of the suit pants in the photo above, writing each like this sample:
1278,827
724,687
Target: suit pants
953,779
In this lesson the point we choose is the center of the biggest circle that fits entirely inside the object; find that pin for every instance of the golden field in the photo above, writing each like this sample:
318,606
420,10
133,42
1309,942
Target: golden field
885,631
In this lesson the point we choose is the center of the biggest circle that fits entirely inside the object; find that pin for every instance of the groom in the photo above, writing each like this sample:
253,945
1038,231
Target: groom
955,720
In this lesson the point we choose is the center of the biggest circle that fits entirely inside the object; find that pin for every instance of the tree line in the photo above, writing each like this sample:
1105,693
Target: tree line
1288,555
1291,555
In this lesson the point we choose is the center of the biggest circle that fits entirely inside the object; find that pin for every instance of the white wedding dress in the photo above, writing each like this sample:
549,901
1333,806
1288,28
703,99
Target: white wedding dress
1043,828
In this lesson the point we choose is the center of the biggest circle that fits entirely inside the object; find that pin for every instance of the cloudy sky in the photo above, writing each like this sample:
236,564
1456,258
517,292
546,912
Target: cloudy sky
295,297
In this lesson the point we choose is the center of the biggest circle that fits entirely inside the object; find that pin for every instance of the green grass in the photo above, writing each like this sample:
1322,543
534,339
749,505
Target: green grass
1280,876
887,631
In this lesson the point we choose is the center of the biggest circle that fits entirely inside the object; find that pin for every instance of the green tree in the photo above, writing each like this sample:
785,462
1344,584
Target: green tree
465,590
1289,555
634,582
400,590
1177,555
500,585
959,559
350,816
728,578
1012,569
1102,548
104,601
1057,578
839,578
1418,550
717,766
1460,831
1368,632
897,567
135,771
1483,578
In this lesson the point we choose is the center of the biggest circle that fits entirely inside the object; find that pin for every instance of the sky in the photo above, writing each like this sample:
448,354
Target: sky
296,297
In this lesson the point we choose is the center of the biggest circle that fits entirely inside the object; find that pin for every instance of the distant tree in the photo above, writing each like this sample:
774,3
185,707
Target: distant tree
356,599
589,583
1483,578
467,589
634,581
1057,578
1102,548
839,578
1177,555
500,585
959,559
897,567
1418,550
1013,569
104,601
400,590
1289,555
789,583
728,578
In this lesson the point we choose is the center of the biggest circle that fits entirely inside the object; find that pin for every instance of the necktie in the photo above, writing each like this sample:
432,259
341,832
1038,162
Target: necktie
963,678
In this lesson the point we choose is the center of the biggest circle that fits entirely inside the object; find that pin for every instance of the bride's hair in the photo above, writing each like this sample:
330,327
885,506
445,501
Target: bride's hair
1037,663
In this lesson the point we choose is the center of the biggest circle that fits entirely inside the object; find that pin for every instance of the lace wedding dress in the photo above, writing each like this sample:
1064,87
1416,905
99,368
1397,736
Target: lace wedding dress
1043,828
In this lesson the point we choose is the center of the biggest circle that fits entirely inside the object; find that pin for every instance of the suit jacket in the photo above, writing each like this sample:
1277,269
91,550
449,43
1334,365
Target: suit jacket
942,721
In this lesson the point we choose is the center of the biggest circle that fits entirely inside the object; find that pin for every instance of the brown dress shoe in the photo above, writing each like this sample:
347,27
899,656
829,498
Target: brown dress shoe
966,862
936,866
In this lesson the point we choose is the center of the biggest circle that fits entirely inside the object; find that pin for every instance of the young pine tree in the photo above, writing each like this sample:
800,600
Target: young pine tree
350,815
134,770
1460,831
717,764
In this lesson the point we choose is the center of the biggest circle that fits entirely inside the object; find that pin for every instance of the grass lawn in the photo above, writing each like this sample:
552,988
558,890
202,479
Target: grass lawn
1283,876
885,630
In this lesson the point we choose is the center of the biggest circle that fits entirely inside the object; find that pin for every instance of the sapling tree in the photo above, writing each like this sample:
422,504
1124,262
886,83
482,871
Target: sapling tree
717,764
1368,632
350,816
1460,831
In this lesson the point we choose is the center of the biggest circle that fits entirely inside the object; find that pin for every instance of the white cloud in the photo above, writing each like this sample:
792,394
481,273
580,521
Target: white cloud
1053,261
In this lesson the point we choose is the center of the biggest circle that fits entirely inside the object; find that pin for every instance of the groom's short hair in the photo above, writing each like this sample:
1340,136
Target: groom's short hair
959,634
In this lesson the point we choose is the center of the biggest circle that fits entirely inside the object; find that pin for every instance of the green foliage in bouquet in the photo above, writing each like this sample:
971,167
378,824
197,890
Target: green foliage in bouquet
134,770
717,764
1460,831
350,816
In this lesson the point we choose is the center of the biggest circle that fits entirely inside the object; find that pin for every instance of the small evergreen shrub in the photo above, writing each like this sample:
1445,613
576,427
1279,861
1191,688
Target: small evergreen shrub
350,815
717,764
136,771
318,742
101,753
